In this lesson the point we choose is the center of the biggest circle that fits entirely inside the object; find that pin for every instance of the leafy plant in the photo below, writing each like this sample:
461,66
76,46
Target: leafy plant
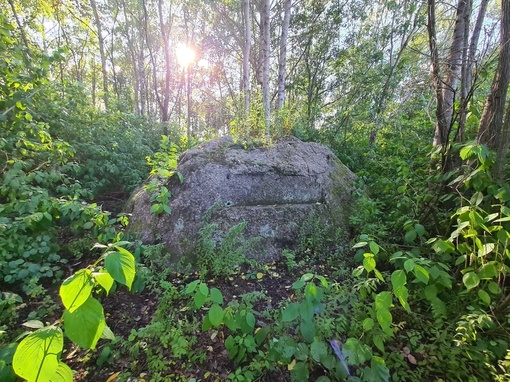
163,166
222,256
37,355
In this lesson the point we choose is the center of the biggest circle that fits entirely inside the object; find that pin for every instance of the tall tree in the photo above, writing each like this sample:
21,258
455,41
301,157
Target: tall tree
445,86
265,48
100,40
492,131
246,87
165,28
282,62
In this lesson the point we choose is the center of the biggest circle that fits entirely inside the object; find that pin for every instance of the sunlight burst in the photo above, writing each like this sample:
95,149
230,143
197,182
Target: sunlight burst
185,54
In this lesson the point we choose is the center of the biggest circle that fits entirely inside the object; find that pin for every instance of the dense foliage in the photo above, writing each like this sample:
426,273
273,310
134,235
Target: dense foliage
418,292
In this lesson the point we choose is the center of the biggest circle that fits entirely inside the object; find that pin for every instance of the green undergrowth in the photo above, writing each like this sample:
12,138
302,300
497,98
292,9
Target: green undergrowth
422,308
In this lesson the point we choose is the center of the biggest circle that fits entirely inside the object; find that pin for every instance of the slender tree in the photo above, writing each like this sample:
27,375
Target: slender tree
246,87
492,131
100,40
265,17
282,62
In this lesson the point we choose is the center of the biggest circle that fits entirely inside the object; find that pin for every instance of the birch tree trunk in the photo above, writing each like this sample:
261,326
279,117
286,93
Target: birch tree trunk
165,35
246,63
282,62
265,56
102,54
452,74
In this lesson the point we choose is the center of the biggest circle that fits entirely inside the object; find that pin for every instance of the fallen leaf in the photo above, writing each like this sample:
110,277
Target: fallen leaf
113,377
411,359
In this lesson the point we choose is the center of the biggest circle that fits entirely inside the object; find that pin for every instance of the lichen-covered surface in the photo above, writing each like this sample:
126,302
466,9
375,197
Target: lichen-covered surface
274,189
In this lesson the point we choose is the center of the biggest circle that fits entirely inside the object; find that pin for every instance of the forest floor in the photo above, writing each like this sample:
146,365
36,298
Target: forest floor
126,311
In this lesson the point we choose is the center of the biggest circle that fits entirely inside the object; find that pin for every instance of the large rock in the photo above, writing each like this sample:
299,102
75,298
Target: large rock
274,189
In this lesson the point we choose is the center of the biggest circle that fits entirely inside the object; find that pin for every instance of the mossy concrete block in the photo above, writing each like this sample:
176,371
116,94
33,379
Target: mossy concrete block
274,189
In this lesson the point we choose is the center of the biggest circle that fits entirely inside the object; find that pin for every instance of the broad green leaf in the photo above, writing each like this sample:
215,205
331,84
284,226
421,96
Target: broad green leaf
356,352
121,266
6,373
299,372
398,279
378,372
476,199
443,246
410,236
383,300
402,293
85,325
199,299
494,288
37,356
318,350
261,334
378,342
430,292
203,289
486,249
206,324
63,374
75,290
421,274
471,280
307,277
503,236
290,313
420,230
409,265
484,297
311,291
104,279
369,264
323,280
487,271
250,320
156,208
216,296
88,225
384,318
216,315
360,244
374,247
191,287
368,324
307,330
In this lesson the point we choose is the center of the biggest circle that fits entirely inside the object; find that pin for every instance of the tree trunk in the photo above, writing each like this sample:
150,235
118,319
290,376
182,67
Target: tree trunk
282,62
246,63
18,22
452,74
102,54
466,74
165,35
265,57
502,149
441,123
491,131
